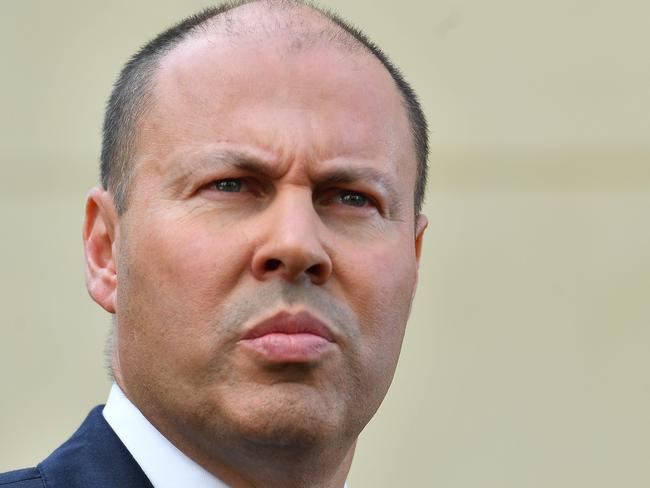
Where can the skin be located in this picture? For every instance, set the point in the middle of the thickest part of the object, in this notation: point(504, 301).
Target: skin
point(316, 146)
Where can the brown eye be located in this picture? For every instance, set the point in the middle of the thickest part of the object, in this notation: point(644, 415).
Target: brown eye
point(353, 199)
point(229, 185)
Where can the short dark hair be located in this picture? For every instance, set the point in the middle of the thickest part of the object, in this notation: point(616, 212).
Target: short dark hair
point(131, 98)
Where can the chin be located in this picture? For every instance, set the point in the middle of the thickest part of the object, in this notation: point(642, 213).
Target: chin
point(285, 416)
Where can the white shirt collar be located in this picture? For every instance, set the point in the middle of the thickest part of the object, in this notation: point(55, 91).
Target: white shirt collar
point(161, 461)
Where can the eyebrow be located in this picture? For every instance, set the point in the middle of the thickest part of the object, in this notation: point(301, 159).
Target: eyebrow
point(189, 163)
point(245, 161)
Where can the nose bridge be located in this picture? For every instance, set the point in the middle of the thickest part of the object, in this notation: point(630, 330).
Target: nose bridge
point(292, 245)
point(293, 215)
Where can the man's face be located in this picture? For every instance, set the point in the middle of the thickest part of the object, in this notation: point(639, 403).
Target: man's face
point(267, 259)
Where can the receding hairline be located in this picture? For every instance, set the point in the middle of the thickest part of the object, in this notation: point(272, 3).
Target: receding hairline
point(290, 39)
point(249, 22)
point(268, 18)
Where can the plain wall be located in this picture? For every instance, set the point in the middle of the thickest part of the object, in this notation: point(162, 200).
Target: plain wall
point(526, 359)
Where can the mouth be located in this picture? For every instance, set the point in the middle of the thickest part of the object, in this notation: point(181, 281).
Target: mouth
point(290, 338)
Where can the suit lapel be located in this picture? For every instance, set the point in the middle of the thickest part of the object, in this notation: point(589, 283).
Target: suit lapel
point(93, 456)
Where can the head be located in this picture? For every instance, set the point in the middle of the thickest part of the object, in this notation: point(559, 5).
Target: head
point(258, 235)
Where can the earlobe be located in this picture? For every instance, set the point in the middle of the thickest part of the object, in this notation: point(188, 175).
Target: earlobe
point(100, 232)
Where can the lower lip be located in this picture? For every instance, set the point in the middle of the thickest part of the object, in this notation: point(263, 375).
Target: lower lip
point(289, 348)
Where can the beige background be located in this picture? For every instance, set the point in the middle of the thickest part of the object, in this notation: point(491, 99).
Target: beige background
point(526, 361)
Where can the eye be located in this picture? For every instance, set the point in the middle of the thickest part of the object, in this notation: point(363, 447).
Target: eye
point(233, 189)
point(231, 185)
point(353, 199)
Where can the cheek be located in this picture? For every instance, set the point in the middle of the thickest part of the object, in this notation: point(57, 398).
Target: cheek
point(173, 283)
point(189, 265)
point(379, 286)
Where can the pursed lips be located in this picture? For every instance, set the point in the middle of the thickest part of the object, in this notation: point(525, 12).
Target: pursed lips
point(290, 338)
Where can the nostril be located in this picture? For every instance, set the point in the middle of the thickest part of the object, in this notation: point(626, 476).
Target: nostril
point(272, 264)
point(314, 270)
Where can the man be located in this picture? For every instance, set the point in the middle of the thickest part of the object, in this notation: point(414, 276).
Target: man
point(257, 238)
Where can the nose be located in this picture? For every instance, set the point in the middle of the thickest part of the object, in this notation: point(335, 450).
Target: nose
point(291, 246)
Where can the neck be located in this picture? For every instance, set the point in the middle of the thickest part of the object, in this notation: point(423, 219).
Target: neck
point(253, 466)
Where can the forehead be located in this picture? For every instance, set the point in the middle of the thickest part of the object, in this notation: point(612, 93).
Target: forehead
point(298, 92)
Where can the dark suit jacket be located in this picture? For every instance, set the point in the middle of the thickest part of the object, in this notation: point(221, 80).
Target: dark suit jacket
point(94, 457)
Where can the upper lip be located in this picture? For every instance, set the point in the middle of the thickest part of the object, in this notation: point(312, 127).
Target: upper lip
point(288, 323)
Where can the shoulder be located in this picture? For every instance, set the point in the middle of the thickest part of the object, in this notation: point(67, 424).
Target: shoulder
point(93, 456)
point(22, 478)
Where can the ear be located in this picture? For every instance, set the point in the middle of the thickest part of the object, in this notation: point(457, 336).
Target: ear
point(421, 223)
point(100, 232)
